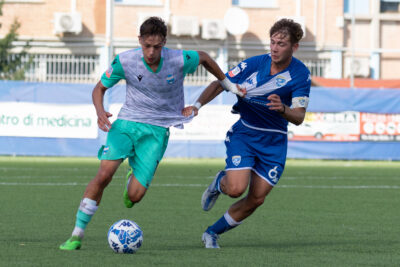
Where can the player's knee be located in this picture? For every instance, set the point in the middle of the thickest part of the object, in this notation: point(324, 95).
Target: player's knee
point(234, 191)
point(256, 202)
point(135, 197)
point(259, 201)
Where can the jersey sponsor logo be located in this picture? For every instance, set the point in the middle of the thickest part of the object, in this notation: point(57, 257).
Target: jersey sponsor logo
point(235, 71)
point(109, 72)
point(250, 82)
point(236, 160)
point(257, 89)
point(140, 76)
point(170, 79)
point(273, 174)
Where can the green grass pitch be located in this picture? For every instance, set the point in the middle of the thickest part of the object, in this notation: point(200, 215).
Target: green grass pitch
point(322, 213)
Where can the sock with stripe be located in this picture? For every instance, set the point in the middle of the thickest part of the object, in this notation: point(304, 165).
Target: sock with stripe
point(86, 210)
point(225, 223)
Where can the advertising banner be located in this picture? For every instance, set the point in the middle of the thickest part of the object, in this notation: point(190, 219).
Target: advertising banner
point(24, 119)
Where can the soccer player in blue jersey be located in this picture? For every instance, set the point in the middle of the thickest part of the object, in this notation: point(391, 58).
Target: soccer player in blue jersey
point(154, 102)
point(278, 87)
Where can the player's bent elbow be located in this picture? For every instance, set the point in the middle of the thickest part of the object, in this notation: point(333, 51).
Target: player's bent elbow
point(297, 123)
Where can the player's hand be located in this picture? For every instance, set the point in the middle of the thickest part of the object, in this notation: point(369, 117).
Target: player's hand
point(234, 88)
point(276, 103)
point(102, 120)
point(190, 110)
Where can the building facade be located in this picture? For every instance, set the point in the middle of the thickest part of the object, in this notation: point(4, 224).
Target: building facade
point(74, 40)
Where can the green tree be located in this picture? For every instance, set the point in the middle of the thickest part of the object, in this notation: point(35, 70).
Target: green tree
point(11, 66)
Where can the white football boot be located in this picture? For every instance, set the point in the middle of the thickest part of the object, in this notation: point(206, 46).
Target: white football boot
point(210, 240)
point(210, 195)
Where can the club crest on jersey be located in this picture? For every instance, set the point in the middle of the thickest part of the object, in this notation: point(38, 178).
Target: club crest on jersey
point(235, 71)
point(109, 72)
point(236, 160)
point(170, 79)
point(280, 81)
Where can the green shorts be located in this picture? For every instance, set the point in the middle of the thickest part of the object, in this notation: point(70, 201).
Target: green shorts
point(143, 144)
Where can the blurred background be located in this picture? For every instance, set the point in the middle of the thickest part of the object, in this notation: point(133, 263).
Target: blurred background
point(53, 52)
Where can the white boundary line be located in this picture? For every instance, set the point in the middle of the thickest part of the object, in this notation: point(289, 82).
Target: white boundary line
point(205, 185)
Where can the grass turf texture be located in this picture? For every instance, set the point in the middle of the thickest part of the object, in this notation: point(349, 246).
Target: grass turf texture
point(322, 213)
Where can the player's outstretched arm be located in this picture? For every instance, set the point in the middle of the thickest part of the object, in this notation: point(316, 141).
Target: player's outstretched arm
point(206, 96)
point(212, 67)
point(102, 115)
point(293, 115)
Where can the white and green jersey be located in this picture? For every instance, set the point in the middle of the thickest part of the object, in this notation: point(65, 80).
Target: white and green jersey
point(152, 97)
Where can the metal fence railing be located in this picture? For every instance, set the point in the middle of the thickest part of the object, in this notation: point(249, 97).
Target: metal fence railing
point(62, 68)
point(85, 69)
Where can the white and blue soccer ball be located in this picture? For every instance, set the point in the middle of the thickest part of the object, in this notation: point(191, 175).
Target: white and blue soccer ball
point(125, 236)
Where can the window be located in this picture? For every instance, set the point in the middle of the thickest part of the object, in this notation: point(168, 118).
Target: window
point(255, 3)
point(139, 2)
point(24, 1)
point(388, 6)
point(361, 7)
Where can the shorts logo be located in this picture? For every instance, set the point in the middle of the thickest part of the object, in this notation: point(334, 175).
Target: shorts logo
point(109, 72)
point(273, 174)
point(236, 160)
point(235, 71)
point(170, 79)
point(105, 150)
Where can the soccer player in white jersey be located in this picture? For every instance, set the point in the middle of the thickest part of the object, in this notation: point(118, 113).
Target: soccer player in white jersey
point(154, 102)
point(278, 87)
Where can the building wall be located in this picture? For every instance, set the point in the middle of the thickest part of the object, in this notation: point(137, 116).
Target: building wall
point(328, 28)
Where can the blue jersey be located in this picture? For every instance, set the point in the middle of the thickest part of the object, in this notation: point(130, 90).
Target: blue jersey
point(292, 85)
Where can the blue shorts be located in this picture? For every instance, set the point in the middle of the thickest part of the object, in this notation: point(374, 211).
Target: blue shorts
point(263, 152)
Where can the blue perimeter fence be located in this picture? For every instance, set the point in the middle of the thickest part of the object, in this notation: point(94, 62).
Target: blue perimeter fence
point(382, 101)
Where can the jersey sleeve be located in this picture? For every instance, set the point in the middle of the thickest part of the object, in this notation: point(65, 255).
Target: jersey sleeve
point(241, 72)
point(300, 93)
point(303, 85)
point(191, 60)
point(113, 74)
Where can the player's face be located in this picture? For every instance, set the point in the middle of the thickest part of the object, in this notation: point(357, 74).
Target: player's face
point(281, 48)
point(152, 46)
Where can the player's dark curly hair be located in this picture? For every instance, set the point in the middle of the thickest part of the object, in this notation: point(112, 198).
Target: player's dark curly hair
point(153, 26)
point(287, 26)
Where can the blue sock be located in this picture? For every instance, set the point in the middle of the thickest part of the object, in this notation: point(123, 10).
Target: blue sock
point(225, 223)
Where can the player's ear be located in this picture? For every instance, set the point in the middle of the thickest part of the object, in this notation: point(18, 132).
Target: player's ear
point(295, 47)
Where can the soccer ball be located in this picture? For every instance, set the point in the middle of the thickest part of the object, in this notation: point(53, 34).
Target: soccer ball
point(125, 236)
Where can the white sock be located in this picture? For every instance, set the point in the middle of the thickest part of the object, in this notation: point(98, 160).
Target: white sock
point(230, 220)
